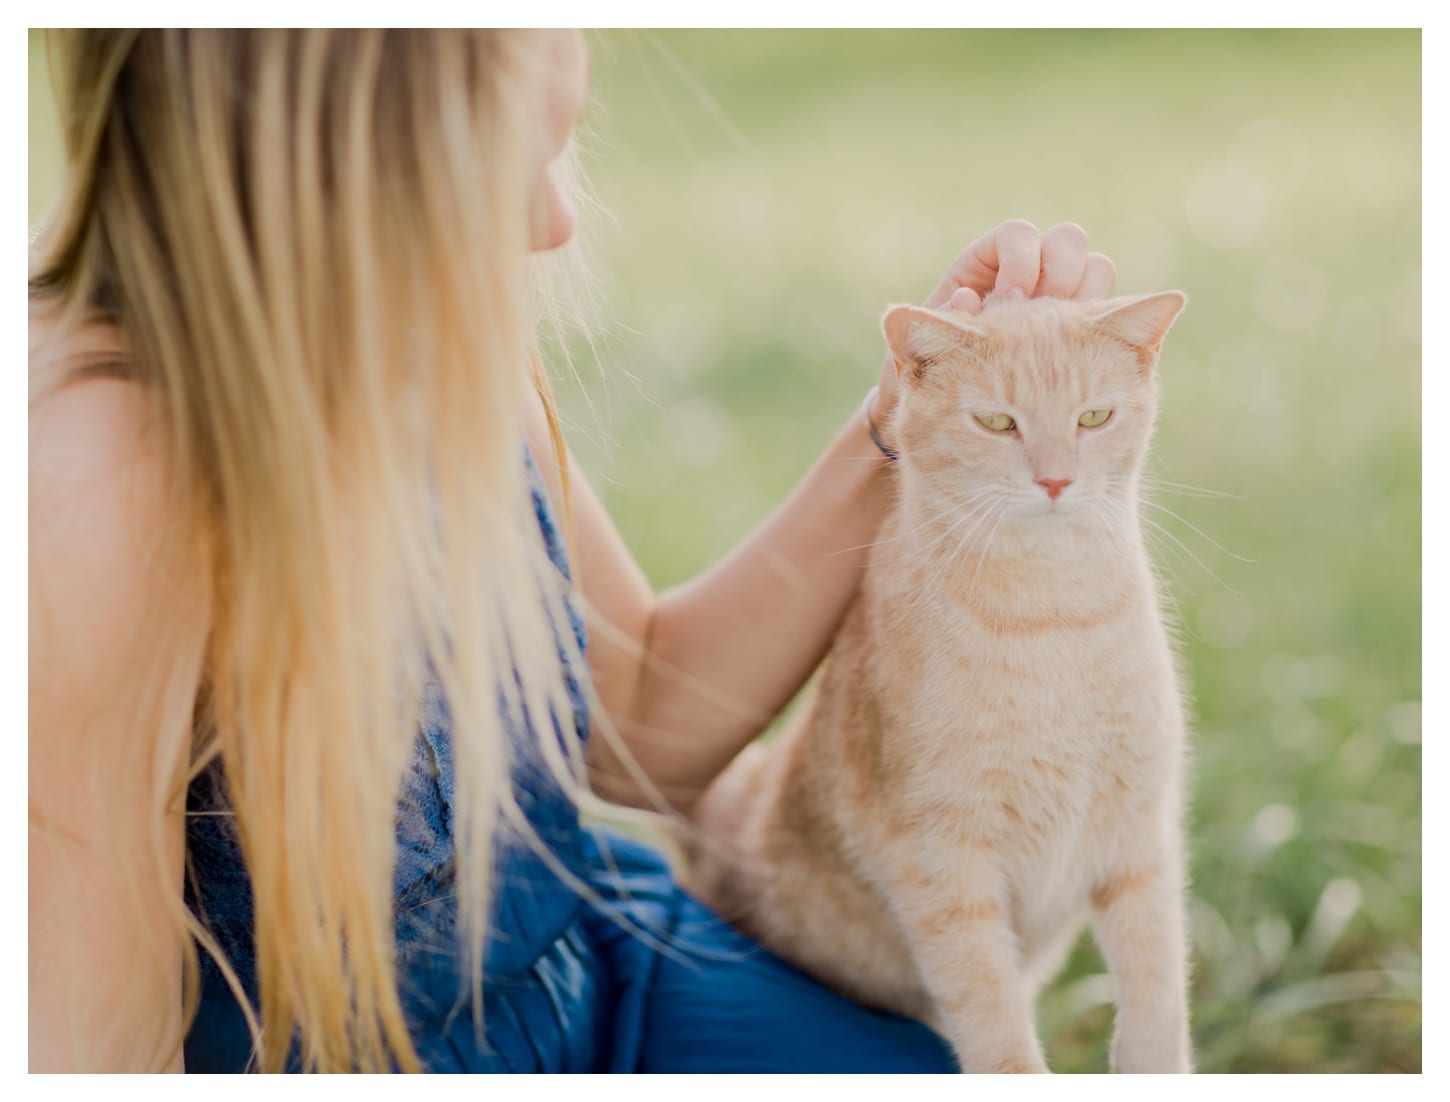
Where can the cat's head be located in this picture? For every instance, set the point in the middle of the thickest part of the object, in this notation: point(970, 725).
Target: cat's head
point(1040, 408)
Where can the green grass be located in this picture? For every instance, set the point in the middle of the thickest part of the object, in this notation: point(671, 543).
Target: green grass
point(770, 193)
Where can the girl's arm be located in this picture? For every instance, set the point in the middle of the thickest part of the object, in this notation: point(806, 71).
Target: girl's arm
point(694, 674)
point(690, 676)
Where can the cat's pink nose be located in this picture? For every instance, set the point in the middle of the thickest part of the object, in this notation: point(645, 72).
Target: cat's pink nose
point(1054, 486)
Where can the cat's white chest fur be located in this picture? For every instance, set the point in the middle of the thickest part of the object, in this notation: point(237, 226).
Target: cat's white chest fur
point(1040, 744)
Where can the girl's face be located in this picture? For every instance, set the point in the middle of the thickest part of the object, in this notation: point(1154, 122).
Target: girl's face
point(551, 218)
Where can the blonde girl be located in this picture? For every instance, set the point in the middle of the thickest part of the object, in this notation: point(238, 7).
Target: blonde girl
point(311, 709)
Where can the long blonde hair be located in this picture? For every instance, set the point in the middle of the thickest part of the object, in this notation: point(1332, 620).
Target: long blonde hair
point(313, 246)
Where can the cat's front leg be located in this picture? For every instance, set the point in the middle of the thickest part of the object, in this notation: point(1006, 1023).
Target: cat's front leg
point(956, 921)
point(1138, 919)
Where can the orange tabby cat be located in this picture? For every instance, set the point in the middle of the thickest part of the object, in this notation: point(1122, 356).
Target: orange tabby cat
point(997, 747)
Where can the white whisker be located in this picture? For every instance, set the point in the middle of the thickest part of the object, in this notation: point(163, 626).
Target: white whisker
point(948, 512)
point(1199, 531)
point(1187, 550)
point(1183, 489)
point(986, 548)
point(1166, 591)
point(982, 518)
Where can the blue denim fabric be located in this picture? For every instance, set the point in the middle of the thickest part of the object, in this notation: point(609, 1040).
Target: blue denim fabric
point(642, 978)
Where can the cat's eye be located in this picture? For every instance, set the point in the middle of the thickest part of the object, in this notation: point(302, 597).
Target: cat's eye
point(997, 422)
point(1094, 417)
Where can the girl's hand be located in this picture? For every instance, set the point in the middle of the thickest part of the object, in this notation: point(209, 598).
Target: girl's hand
point(1013, 257)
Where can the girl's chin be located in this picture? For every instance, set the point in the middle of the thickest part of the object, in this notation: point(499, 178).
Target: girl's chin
point(551, 222)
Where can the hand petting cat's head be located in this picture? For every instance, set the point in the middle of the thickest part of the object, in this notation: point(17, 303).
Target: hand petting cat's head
point(1042, 406)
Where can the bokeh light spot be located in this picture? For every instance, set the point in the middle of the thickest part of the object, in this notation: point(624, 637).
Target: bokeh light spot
point(1224, 620)
point(1273, 936)
point(1290, 293)
point(696, 431)
point(1405, 722)
point(1295, 728)
point(1337, 905)
point(687, 338)
point(1275, 148)
point(1359, 328)
point(1147, 249)
point(1285, 678)
point(1360, 753)
point(1407, 308)
point(1275, 824)
point(1227, 205)
point(1341, 897)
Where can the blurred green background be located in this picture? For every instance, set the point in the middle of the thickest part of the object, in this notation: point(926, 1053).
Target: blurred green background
point(766, 194)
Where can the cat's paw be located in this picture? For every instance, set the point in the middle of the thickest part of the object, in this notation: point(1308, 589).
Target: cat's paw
point(1151, 1055)
point(1020, 1066)
point(1001, 1057)
point(1004, 1060)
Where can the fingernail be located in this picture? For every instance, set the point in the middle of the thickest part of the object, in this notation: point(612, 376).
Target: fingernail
point(1016, 292)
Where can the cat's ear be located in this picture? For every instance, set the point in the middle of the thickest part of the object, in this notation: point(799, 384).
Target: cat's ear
point(920, 338)
point(1141, 323)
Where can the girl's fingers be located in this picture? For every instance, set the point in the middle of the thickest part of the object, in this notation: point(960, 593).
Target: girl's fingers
point(1019, 256)
point(1098, 278)
point(1014, 257)
point(964, 300)
point(1010, 256)
point(1064, 258)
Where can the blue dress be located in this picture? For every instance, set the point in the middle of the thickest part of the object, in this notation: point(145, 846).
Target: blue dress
point(645, 978)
